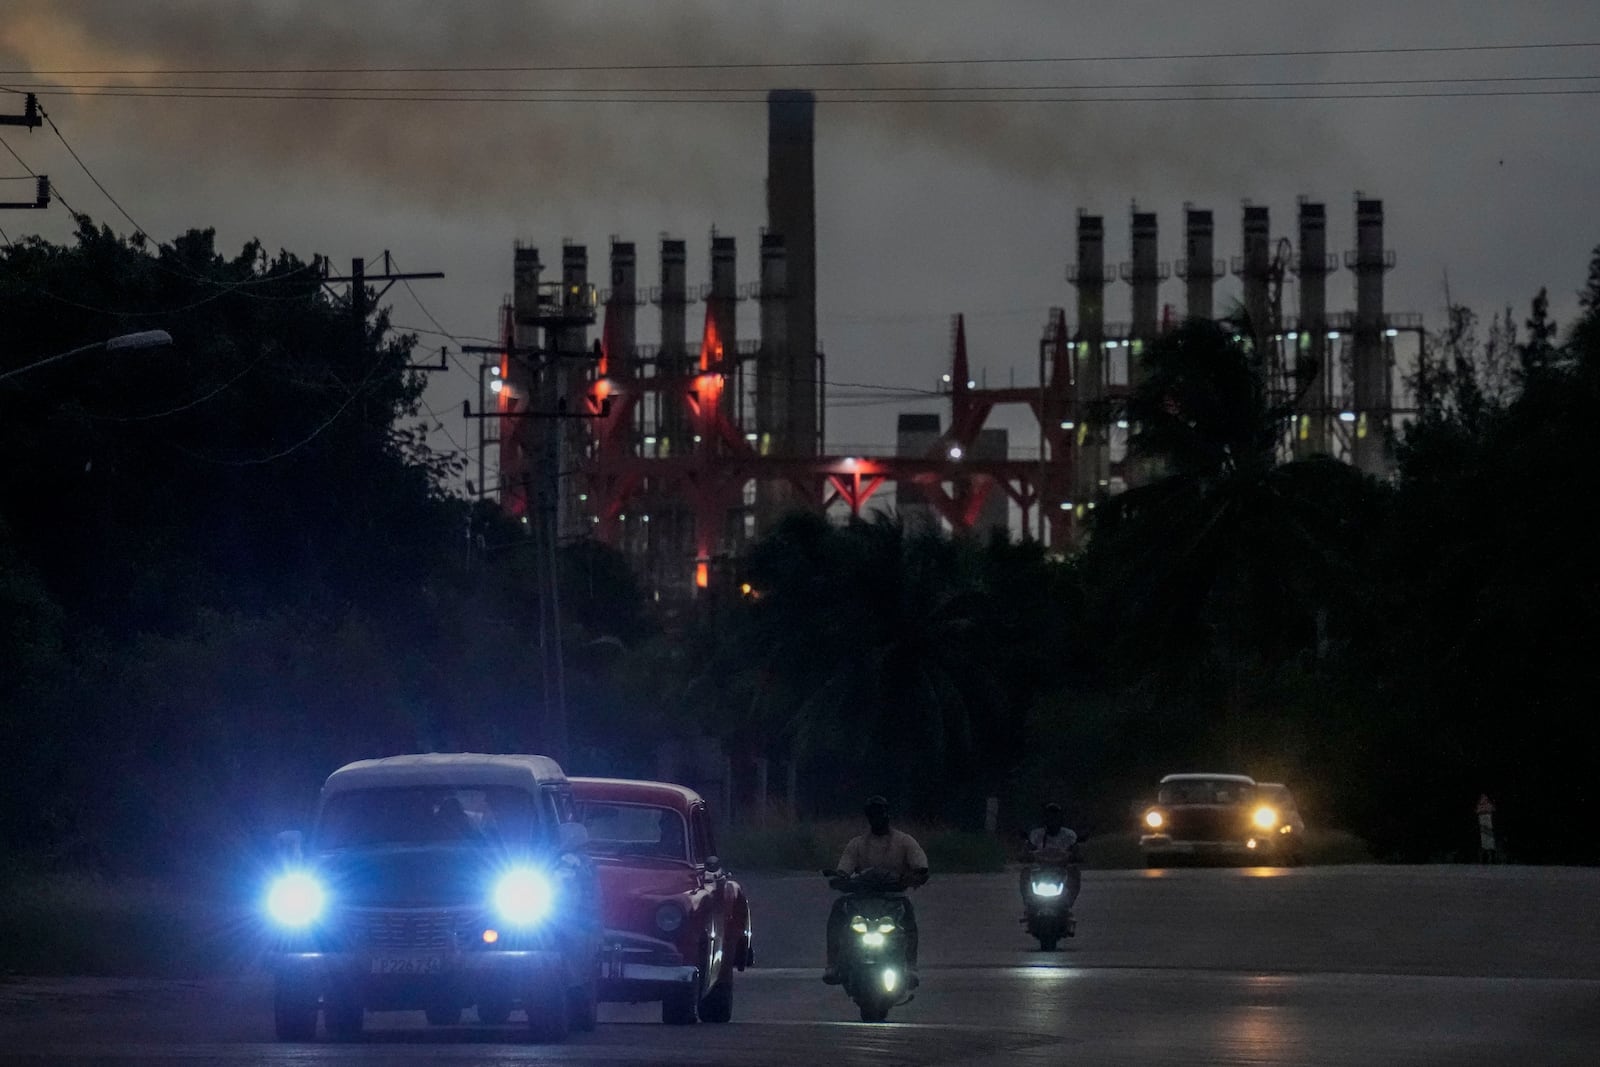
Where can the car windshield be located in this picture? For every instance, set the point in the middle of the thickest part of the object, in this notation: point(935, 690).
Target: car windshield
point(634, 830)
point(427, 815)
point(1205, 791)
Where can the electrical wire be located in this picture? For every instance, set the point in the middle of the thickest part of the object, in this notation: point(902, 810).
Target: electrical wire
point(713, 89)
point(850, 64)
point(370, 97)
point(196, 402)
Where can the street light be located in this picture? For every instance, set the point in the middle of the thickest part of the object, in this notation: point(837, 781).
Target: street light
point(121, 343)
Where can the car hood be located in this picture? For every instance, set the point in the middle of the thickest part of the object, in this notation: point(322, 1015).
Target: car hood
point(621, 879)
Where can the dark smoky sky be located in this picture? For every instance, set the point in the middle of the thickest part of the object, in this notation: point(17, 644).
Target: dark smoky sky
point(923, 209)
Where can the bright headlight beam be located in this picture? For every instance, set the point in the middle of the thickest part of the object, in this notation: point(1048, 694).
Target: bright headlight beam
point(523, 897)
point(872, 940)
point(890, 980)
point(1153, 820)
point(295, 900)
point(1265, 818)
point(1047, 889)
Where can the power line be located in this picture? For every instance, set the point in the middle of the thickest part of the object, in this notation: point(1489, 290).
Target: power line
point(851, 64)
point(113, 89)
point(368, 97)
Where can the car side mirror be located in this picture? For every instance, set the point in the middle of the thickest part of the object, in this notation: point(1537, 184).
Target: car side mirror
point(714, 864)
point(573, 837)
point(290, 845)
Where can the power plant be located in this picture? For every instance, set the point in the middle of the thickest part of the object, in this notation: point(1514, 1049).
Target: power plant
point(679, 454)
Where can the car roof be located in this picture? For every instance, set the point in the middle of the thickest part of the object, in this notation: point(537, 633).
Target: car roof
point(1273, 786)
point(446, 768)
point(1242, 779)
point(632, 791)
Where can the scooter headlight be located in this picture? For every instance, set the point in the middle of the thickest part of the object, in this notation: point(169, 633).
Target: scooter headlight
point(858, 924)
point(872, 939)
point(296, 900)
point(523, 896)
point(1047, 889)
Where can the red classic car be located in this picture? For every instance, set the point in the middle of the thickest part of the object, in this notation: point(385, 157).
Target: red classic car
point(677, 926)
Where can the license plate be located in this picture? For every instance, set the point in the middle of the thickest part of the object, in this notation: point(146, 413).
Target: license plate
point(407, 965)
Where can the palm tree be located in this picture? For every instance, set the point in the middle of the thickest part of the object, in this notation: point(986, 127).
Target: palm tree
point(1228, 552)
point(869, 650)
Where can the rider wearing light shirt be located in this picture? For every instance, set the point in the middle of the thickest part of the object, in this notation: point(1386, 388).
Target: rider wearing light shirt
point(882, 848)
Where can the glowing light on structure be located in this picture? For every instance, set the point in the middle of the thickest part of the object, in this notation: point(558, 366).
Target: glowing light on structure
point(702, 575)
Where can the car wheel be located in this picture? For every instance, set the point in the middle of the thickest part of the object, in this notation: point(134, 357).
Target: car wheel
point(678, 1007)
point(294, 1012)
point(583, 1005)
point(494, 1013)
point(441, 1015)
point(344, 1017)
point(717, 1005)
point(549, 1019)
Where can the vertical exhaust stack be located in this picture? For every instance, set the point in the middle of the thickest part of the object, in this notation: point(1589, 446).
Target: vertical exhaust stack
point(1254, 268)
point(1370, 379)
point(1093, 468)
point(1145, 274)
point(1198, 268)
point(518, 451)
point(673, 360)
point(571, 376)
point(724, 301)
point(622, 310)
point(773, 386)
point(791, 213)
point(1313, 378)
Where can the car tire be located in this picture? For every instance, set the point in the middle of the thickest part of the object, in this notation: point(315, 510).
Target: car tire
point(494, 1012)
point(583, 1006)
point(679, 1006)
point(344, 1018)
point(294, 1012)
point(549, 1017)
point(441, 1015)
point(717, 1005)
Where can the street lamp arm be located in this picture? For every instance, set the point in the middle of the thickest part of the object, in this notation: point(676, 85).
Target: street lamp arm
point(123, 342)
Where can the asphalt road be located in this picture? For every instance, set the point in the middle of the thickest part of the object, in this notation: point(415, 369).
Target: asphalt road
point(1347, 965)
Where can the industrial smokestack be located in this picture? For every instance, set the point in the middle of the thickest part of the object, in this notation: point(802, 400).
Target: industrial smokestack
point(1313, 375)
point(1089, 275)
point(1198, 267)
point(1370, 367)
point(724, 301)
point(791, 213)
point(622, 309)
point(1144, 273)
point(1254, 269)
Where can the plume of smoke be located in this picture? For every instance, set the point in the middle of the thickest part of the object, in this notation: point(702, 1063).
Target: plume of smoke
point(452, 157)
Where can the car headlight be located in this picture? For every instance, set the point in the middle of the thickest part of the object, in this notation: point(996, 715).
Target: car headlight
point(523, 896)
point(1047, 889)
point(295, 900)
point(1265, 817)
point(668, 918)
point(1154, 820)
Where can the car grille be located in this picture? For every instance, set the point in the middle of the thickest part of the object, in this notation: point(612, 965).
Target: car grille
point(406, 930)
point(1205, 824)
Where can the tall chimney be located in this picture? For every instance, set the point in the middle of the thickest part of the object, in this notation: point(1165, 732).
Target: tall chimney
point(791, 213)
point(724, 301)
point(1254, 269)
point(1370, 366)
point(1313, 375)
point(1093, 467)
point(1144, 274)
point(1198, 268)
point(622, 309)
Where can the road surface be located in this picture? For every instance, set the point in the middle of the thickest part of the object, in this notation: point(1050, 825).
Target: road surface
point(1340, 965)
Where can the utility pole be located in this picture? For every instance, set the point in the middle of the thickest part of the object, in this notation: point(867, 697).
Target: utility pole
point(29, 119)
point(358, 279)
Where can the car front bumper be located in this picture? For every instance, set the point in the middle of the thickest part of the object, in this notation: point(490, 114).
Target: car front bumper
point(637, 968)
point(382, 983)
point(1160, 845)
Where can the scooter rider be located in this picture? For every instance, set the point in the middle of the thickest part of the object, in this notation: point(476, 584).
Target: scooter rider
point(1054, 837)
point(882, 848)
